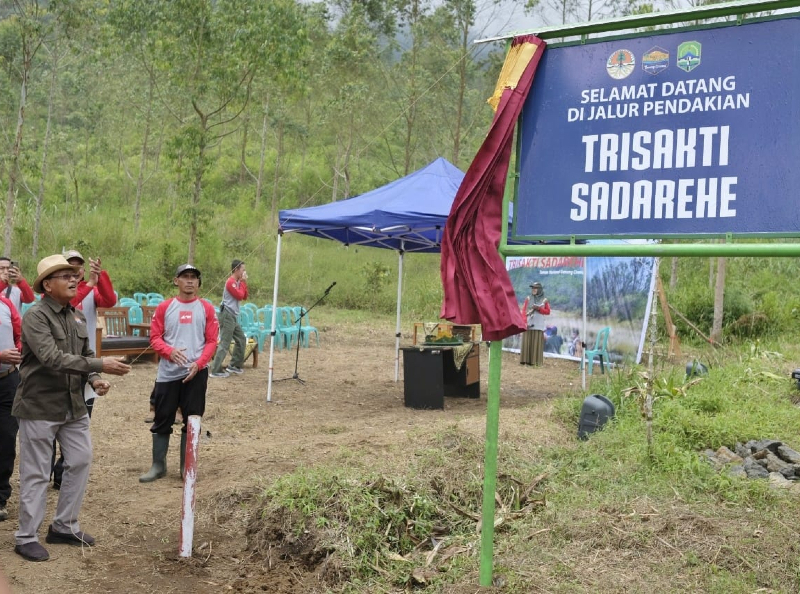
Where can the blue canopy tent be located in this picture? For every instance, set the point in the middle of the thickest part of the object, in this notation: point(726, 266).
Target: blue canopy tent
point(407, 215)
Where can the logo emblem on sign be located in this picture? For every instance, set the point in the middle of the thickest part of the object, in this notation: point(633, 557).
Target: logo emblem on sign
point(185, 317)
point(620, 64)
point(689, 55)
point(655, 61)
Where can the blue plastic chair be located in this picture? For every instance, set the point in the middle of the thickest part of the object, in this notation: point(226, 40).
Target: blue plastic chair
point(285, 328)
point(140, 298)
point(251, 328)
point(26, 307)
point(154, 298)
point(135, 316)
point(306, 330)
point(264, 321)
point(129, 302)
point(600, 350)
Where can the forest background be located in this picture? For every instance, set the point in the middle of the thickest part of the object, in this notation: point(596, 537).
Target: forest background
point(154, 133)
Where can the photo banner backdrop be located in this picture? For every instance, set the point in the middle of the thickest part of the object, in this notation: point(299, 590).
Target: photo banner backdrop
point(618, 295)
point(694, 132)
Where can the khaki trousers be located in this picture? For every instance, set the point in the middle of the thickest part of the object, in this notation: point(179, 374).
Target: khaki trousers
point(35, 452)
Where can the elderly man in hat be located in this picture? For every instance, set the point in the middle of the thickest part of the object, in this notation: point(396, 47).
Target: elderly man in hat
point(49, 404)
point(184, 334)
point(532, 352)
point(235, 291)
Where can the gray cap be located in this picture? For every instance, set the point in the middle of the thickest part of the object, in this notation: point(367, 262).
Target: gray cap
point(186, 268)
point(74, 254)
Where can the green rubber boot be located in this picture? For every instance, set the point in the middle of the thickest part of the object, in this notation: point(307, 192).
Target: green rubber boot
point(183, 452)
point(159, 468)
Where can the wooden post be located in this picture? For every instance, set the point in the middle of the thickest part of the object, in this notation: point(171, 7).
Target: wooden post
point(674, 341)
point(189, 481)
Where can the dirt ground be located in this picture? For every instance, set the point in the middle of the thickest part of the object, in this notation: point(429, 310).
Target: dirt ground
point(349, 400)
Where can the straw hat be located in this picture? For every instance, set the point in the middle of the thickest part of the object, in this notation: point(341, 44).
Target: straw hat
point(48, 266)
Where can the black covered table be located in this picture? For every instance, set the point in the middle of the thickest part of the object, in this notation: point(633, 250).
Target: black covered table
point(430, 374)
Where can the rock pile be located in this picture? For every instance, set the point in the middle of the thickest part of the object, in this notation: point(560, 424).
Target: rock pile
point(757, 459)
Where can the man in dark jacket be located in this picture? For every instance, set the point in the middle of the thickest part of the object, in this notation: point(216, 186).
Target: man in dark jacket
point(49, 404)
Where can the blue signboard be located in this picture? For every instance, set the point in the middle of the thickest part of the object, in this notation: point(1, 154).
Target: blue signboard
point(695, 132)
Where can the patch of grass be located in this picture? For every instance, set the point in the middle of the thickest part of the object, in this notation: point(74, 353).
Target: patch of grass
point(606, 514)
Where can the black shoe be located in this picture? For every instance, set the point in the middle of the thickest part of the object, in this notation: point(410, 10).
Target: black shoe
point(78, 538)
point(32, 551)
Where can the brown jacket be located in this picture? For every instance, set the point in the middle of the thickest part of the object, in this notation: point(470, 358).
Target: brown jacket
point(56, 360)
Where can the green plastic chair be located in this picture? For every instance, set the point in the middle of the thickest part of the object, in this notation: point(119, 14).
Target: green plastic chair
point(306, 330)
point(285, 328)
point(134, 316)
point(600, 350)
point(128, 302)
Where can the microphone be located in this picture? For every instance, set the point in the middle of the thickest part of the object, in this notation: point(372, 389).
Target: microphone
point(328, 290)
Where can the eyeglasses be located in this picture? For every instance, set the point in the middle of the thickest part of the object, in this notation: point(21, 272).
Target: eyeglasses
point(68, 277)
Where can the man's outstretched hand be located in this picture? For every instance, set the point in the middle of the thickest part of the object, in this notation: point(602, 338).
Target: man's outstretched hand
point(115, 366)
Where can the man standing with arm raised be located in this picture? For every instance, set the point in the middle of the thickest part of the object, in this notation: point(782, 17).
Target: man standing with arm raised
point(49, 404)
point(13, 285)
point(184, 334)
point(96, 292)
point(235, 291)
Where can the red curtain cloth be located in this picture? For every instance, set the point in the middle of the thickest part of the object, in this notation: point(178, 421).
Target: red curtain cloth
point(477, 288)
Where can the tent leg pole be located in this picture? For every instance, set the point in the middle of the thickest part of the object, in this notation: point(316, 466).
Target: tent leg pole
point(397, 326)
point(274, 312)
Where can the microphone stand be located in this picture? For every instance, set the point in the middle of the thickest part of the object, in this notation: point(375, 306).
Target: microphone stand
point(303, 313)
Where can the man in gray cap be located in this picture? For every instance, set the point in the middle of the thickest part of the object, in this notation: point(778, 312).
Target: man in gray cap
point(49, 404)
point(235, 291)
point(184, 334)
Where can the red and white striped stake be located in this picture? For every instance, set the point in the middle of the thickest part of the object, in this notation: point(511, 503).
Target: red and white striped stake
point(189, 481)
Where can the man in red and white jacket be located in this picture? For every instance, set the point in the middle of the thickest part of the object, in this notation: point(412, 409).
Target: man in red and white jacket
point(96, 292)
point(10, 358)
point(184, 333)
point(235, 291)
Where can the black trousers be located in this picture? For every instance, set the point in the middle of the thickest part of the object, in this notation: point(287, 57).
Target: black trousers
point(8, 434)
point(190, 397)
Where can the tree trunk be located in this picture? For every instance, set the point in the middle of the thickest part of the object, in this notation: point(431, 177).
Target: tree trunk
point(462, 89)
point(277, 176)
point(143, 155)
point(13, 170)
point(242, 166)
point(197, 190)
point(673, 275)
point(710, 272)
point(262, 155)
point(719, 305)
point(43, 175)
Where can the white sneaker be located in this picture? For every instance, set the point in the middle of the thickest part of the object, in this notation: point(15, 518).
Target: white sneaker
point(220, 374)
point(236, 370)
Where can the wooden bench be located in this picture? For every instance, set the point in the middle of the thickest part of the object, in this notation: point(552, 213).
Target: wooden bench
point(116, 338)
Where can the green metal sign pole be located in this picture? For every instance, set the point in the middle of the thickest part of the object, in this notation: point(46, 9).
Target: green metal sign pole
point(490, 461)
